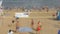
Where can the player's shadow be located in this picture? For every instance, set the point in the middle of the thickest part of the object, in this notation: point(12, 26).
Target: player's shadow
point(31, 33)
point(57, 26)
point(55, 19)
point(34, 29)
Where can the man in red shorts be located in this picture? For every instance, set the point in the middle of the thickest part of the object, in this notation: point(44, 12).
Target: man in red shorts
point(39, 28)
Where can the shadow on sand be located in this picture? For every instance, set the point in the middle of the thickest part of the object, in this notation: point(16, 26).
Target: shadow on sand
point(34, 29)
point(57, 26)
point(55, 19)
point(31, 33)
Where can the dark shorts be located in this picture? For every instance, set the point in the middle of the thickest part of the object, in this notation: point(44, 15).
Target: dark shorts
point(17, 27)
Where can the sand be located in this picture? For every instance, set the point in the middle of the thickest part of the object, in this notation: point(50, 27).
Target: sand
point(49, 25)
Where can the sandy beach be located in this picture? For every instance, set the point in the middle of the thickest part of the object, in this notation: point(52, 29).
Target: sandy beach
point(49, 24)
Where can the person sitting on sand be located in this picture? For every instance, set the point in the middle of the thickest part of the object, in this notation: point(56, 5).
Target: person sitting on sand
point(11, 24)
point(10, 32)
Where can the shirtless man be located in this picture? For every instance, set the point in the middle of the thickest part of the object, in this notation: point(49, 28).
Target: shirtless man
point(38, 27)
point(17, 25)
point(32, 23)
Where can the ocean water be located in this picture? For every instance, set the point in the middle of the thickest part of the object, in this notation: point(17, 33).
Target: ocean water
point(31, 3)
